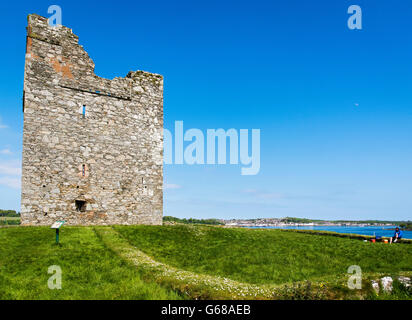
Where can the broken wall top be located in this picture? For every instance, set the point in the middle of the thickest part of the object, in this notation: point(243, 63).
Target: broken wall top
point(54, 56)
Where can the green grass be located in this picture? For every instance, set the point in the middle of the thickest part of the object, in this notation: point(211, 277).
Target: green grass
point(89, 269)
point(264, 256)
point(192, 261)
point(9, 221)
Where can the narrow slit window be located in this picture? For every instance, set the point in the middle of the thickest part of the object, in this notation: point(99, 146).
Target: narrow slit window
point(84, 170)
point(84, 111)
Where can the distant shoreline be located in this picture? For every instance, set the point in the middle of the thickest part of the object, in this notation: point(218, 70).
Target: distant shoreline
point(251, 224)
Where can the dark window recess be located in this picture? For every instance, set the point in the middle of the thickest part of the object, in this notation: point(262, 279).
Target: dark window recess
point(84, 170)
point(80, 205)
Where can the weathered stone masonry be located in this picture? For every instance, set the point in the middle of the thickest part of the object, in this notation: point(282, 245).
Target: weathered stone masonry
point(92, 147)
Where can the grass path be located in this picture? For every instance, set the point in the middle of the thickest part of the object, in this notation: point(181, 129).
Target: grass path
point(263, 256)
point(188, 262)
point(216, 263)
point(198, 286)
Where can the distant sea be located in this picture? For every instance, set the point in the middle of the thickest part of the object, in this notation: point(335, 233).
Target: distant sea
point(386, 231)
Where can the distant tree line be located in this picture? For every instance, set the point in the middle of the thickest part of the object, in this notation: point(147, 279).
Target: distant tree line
point(192, 221)
point(406, 225)
point(299, 220)
point(9, 213)
point(9, 222)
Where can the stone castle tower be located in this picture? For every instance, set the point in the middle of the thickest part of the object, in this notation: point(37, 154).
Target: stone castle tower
point(92, 147)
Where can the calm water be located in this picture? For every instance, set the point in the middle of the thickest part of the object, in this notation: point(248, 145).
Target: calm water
point(368, 231)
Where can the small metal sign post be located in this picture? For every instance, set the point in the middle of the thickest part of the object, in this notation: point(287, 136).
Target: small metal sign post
point(57, 225)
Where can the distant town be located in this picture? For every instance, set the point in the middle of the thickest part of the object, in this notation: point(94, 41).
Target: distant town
point(288, 221)
point(11, 217)
point(283, 222)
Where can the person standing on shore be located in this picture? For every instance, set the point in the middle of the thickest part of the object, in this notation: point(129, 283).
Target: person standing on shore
point(397, 236)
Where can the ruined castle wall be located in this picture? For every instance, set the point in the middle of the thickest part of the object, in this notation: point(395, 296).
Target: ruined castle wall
point(92, 147)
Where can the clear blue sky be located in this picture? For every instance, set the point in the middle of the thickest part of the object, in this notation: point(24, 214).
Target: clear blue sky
point(334, 105)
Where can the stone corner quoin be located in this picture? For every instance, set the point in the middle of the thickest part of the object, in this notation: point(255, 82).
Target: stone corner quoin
point(92, 147)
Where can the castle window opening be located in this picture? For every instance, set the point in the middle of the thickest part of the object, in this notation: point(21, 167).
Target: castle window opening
point(84, 170)
point(80, 205)
point(84, 111)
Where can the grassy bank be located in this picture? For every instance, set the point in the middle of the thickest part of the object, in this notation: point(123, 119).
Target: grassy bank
point(89, 269)
point(264, 256)
point(191, 261)
point(344, 235)
point(9, 221)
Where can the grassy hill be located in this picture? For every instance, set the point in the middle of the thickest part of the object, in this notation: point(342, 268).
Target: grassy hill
point(191, 261)
point(89, 269)
point(263, 256)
